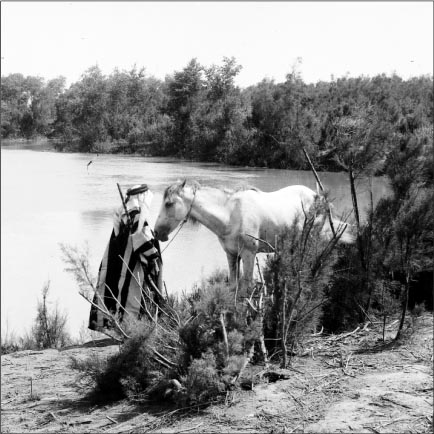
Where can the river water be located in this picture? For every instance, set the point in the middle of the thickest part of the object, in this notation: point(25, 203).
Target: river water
point(48, 198)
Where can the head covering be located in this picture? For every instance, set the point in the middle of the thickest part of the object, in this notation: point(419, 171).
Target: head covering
point(136, 194)
point(137, 189)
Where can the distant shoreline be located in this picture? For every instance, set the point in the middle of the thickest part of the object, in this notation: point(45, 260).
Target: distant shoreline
point(56, 145)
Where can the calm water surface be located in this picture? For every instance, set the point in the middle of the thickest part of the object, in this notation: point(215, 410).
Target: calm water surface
point(49, 198)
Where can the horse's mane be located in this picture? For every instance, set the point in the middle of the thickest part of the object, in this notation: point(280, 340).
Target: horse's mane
point(176, 188)
point(231, 191)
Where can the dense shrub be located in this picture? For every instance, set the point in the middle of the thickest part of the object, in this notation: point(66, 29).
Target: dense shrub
point(132, 372)
point(193, 365)
point(346, 292)
point(297, 277)
point(212, 307)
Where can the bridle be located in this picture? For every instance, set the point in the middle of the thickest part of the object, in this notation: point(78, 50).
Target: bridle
point(181, 224)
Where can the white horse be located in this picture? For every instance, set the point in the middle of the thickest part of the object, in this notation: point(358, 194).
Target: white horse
point(246, 222)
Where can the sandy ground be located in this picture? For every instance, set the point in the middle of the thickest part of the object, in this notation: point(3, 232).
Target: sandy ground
point(342, 383)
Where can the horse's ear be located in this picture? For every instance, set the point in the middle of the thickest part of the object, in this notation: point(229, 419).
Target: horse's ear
point(183, 183)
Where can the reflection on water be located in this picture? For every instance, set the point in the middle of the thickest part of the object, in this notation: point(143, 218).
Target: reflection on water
point(49, 198)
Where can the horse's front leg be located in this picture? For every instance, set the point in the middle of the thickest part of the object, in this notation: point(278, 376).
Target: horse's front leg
point(234, 268)
point(248, 258)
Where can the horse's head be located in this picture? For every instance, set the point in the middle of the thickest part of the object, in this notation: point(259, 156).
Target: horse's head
point(175, 208)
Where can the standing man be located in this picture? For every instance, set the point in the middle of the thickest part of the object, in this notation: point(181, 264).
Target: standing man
point(130, 274)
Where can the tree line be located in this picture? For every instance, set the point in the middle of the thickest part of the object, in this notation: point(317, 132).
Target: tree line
point(199, 113)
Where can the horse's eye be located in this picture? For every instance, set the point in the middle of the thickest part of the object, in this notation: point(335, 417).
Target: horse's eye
point(168, 204)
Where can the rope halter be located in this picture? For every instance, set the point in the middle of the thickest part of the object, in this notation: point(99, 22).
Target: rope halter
point(187, 216)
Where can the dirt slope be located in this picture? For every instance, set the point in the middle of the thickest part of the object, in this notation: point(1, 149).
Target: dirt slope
point(344, 383)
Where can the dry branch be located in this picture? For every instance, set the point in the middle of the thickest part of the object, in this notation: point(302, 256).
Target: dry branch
point(262, 241)
point(158, 357)
point(191, 428)
point(225, 335)
point(104, 312)
point(111, 419)
point(150, 298)
point(337, 338)
point(322, 189)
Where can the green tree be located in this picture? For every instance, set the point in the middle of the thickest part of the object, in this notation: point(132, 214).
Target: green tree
point(266, 120)
point(184, 89)
point(403, 228)
point(43, 106)
point(15, 106)
point(219, 130)
point(82, 111)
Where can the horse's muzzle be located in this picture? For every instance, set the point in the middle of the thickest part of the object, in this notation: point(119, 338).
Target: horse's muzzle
point(161, 236)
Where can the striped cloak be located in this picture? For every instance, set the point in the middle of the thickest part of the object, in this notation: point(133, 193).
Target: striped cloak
point(130, 260)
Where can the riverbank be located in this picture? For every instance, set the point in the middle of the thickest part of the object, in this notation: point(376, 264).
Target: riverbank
point(40, 144)
point(122, 148)
point(44, 144)
point(341, 383)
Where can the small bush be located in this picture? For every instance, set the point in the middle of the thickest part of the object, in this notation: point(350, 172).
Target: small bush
point(49, 330)
point(12, 343)
point(129, 373)
point(203, 382)
point(135, 372)
point(8, 347)
point(9, 342)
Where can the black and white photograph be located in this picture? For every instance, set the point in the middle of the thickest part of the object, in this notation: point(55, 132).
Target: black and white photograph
point(217, 216)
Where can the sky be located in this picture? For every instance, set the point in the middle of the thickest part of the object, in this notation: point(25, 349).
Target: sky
point(50, 39)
